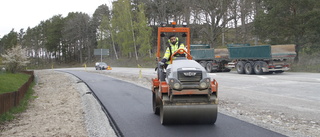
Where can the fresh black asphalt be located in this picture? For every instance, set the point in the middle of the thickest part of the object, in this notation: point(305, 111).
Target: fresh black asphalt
point(130, 107)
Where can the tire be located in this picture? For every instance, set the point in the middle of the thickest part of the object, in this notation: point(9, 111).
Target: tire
point(155, 104)
point(240, 67)
point(257, 68)
point(248, 68)
point(209, 67)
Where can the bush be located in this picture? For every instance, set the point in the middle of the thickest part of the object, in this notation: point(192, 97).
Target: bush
point(15, 59)
point(307, 63)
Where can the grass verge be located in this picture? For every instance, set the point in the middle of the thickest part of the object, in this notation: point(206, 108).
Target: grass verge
point(12, 82)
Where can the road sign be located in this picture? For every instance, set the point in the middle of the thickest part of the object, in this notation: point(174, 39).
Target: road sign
point(101, 52)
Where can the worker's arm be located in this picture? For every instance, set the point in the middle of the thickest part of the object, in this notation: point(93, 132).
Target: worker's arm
point(167, 54)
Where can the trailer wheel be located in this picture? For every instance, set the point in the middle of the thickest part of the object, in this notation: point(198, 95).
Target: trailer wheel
point(209, 67)
point(248, 68)
point(240, 67)
point(258, 68)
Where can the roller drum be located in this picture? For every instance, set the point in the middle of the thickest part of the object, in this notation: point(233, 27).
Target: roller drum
point(188, 113)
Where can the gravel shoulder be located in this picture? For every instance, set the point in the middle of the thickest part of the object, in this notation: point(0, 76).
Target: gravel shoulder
point(65, 107)
point(56, 110)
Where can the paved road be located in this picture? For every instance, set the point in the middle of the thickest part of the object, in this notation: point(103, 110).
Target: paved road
point(130, 107)
point(289, 92)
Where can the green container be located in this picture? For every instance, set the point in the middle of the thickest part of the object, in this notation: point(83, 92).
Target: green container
point(202, 54)
point(237, 45)
point(250, 52)
point(199, 46)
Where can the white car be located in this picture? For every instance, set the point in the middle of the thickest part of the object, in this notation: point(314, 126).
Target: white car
point(101, 66)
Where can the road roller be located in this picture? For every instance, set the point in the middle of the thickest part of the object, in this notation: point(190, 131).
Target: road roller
point(183, 92)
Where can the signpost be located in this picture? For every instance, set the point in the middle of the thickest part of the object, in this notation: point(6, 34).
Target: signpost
point(101, 52)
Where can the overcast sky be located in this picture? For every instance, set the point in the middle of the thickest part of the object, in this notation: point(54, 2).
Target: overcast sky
point(17, 14)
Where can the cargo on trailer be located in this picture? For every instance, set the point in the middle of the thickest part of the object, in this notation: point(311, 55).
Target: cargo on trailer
point(213, 60)
point(262, 59)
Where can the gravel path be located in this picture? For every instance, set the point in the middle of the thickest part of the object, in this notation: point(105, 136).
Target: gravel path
point(65, 107)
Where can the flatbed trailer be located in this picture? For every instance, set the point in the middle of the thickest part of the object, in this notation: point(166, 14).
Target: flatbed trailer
point(261, 59)
point(213, 60)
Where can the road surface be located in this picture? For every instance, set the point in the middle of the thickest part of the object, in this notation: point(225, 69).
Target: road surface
point(130, 107)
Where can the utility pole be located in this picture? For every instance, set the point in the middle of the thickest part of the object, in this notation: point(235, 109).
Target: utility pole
point(101, 55)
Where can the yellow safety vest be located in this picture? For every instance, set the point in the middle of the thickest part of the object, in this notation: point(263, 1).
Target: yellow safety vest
point(174, 48)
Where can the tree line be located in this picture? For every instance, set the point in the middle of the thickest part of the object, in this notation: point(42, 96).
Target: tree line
point(129, 27)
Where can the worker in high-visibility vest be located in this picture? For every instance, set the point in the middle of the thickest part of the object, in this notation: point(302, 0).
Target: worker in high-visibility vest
point(173, 46)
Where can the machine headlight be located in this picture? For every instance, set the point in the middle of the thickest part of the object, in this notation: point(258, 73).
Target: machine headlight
point(203, 85)
point(176, 85)
point(184, 24)
point(163, 24)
